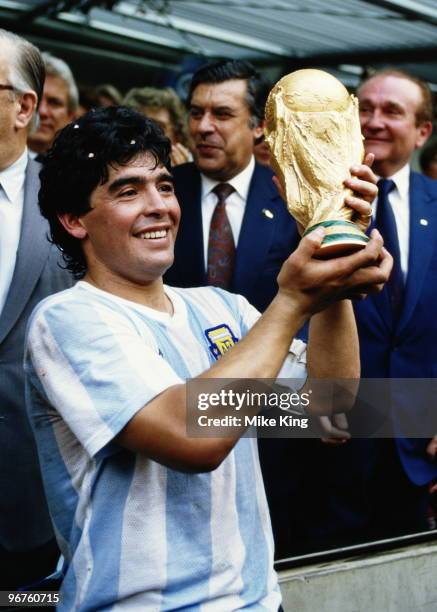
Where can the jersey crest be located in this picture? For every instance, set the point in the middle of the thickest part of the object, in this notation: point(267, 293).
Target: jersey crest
point(220, 339)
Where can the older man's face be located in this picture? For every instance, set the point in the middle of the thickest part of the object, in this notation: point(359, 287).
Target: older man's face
point(220, 127)
point(16, 109)
point(54, 114)
point(388, 108)
point(7, 114)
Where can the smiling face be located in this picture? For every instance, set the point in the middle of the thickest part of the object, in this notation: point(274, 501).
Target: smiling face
point(128, 235)
point(219, 125)
point(54, 113)
point(388, 108)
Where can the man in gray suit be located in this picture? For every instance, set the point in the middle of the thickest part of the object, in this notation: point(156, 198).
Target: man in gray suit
point(28, 272)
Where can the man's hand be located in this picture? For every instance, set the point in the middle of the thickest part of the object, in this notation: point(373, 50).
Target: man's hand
point(335, 429)
point(312, 284)
point(364, 191)
point(363, 186)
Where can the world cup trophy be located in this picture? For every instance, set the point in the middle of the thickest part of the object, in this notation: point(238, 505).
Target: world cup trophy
point(313, 132)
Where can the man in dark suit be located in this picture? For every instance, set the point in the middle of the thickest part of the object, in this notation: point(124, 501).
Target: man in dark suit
point(400, 341)
point(29, 271)
point(226, 110)
point(378, 488)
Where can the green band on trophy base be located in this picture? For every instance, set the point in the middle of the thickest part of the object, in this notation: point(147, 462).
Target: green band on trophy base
point(332, 223)
point(336, 237)
point(342, 238)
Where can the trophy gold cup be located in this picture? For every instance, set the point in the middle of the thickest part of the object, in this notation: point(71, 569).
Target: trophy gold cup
point(313, 132)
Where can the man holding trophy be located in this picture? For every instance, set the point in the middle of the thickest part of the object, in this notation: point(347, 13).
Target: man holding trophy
point(107, 365)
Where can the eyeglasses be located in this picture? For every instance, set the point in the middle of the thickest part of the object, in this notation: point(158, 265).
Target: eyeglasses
point(5, 87)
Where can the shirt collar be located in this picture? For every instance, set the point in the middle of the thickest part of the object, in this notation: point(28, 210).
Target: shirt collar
point(401, 179)
point(240, 182)
point(12, 179)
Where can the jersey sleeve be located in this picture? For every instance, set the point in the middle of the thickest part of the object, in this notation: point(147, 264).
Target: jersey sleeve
point(95, 369)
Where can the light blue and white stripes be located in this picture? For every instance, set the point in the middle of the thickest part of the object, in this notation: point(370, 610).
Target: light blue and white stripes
point(137, 535)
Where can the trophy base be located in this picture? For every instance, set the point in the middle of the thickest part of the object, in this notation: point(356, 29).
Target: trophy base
point(341, 238)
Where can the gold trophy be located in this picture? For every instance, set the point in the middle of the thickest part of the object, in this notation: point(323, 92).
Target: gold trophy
point(313, 132)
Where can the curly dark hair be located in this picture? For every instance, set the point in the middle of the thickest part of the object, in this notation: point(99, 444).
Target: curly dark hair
point(79, 161)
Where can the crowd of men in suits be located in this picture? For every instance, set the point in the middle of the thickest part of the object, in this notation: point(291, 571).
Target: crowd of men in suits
point(345, 489)
point(363, 489)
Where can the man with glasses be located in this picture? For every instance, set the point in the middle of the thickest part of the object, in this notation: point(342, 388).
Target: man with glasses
point(28, 272)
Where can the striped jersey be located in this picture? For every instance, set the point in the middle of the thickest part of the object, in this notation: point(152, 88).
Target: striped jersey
point(135, 534)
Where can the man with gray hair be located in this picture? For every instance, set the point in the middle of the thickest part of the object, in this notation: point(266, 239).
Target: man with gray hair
point(29, 272)
point(58, 104)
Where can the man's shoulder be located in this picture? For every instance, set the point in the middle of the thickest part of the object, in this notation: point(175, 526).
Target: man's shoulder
point(209, 296)
point(205, 292)
point(78, 312)
point(422, 182)
point(33, 168)
point(33, 165)
point(263, 171)
point(66, 298)
point(183, 171)
point(261, 184)
point(187, 184)
point(32, 214)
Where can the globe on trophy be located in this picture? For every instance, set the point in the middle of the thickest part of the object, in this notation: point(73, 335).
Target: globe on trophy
point(314, 135)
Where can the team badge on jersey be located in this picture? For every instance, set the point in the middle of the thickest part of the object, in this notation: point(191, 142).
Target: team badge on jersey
point(220, 339)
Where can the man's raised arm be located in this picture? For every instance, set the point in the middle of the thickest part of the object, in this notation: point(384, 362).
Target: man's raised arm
point(306, 286)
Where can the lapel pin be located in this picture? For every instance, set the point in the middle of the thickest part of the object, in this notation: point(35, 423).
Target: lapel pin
point(423, 222)
point(267, 213)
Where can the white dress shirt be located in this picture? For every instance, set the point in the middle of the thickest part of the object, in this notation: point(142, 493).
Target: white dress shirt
point(399, 199)
point(11, 212)
point(235, 203)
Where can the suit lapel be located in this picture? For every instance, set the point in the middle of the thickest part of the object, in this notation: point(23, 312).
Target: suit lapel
point(423, 229)
point(257, 231)
point(33, 250)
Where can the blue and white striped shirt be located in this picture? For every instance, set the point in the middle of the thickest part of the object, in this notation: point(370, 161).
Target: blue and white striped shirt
point(137, 535)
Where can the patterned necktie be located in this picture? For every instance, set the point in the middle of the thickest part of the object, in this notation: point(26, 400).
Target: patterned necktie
point(386, 224)
point(221, 246)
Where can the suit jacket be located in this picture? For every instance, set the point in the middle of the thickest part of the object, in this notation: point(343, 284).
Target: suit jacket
point(408, 349)
point(25, 522)
point(264, 243)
